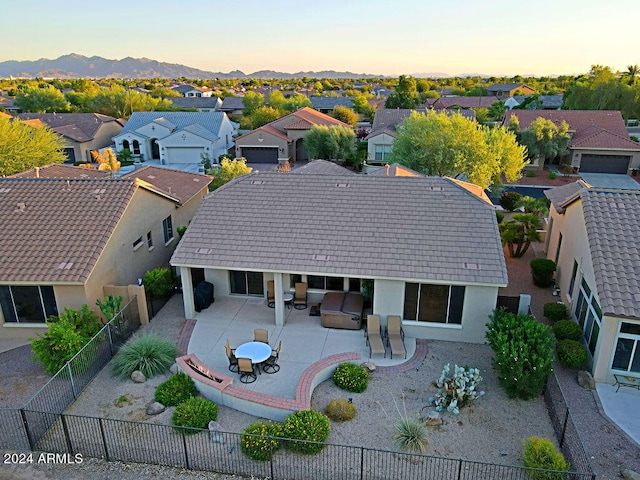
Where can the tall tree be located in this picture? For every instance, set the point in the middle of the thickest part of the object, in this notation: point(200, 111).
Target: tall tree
point(632, 74)
point(295, 102)
point(251, 102)
point(276, 99)
point(330, 143)
point(42, 100)
point(120, 102)
point(545, 140)
point(405, 94)
point(345, 114)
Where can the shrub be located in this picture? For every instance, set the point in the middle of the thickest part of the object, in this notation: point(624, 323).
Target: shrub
point(195, 412)
point(111, 306)
point(555, 311)
point(256, 441)
point(351, 377)
point(509, 200)
point(149, 353)
point(499, 216)
point(179, 388)
point(340, 410)
point(571, 353)
point(158, 282)
point(552, 175)
point(306, 426)
point(455, 391)
point(410, 435)
point(567, 330)
point(532, 173)
point(541, 453)
point(542, 270)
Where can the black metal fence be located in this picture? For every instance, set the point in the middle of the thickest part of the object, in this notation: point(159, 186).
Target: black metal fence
point(156, 302)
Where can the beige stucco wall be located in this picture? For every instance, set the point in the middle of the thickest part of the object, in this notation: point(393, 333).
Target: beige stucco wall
point(102, 139)
point(576, 156)
point(382, 139)
point(252, 139)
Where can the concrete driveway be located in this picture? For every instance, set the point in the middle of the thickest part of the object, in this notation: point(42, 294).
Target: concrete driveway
point(610, 180)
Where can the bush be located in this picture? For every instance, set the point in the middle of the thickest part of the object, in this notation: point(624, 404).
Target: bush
point(195, 412)
point(256, 442)
point(499, 216)
point(149, 353)
point(542, 270)
point(340, 410)
point(532, 173)
point(306, 426)
point(567, 330)
point(179, 388)
point(555, 311)
point(509, 200)
point(410, 435)
point(542, 453)
point(571, 353)
point(351, 377)
point(455, 391)
point(158, 282)
point(552, 175)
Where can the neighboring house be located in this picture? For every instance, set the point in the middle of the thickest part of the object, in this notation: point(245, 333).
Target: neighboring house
point(177, 137)
point(8, 104)
point(383, 131)
point(448, 103)
point(232, 105)
point(63, 240)
point(506, 90)
point(283, 139)
point(327, 104)
point(394, 170)
point(592, 237)
point(201, 104)
point(60, 170)
point(600, 142)
point(546, 102)
point(193, 91)
point(431, 247)
point(81, 132)
point(322, 167)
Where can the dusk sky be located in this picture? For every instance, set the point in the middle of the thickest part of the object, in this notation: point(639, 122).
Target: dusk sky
point(494, 37)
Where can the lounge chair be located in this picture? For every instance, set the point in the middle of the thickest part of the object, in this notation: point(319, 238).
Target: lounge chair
point(374, 338)
point(233, 361)
point(300, 298)
point(270, 365)
point(271, 294)
point(247, 370)
point(260, 335)
point(395, 336)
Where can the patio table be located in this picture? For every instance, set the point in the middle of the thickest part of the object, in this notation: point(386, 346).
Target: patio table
point(288, 298)
point(258, 352)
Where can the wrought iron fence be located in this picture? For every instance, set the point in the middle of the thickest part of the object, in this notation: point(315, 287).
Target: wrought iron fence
point(156, 302)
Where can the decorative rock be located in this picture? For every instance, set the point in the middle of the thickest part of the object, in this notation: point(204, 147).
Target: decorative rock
point(370, 366)
point(174, 369)
point(138, 377)
point(215, 432)
point(585, 380)
point(630, 474)
point(154, 408)
point(434, 420)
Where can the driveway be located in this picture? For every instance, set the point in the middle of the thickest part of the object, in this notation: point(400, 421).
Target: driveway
point(610, 180)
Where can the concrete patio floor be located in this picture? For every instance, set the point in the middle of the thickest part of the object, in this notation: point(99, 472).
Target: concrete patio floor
point(621, 407)
point(304, 341)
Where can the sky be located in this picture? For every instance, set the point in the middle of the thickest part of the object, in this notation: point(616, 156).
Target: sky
point(492, 37)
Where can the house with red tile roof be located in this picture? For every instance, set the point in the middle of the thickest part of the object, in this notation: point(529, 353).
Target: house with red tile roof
point(599, 141)
point(283, 139)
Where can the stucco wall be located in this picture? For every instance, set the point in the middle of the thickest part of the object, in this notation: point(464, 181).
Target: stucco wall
point(252, 139)
point(576, 156)
point(382, 139)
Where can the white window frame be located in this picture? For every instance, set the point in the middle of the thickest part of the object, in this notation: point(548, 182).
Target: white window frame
point(167, 228)
point(384, 152)
point(634, 351)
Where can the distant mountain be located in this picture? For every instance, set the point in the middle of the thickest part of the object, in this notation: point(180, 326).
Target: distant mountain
point(79, 66)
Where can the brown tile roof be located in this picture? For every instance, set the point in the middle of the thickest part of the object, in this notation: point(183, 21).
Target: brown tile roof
point(55, 170)
point(80, 127)
point(322, 167)
point(314, 117)
point(464, 102)
point(176, 183)
point(272, 131)
point(595, 137)
point(421, 228)
point(299, 125)
point(54, 230)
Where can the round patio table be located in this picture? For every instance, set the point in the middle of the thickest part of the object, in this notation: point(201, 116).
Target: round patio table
point(258, 352)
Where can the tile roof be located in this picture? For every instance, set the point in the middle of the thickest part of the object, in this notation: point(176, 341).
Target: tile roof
point(577, 120)
point(54, 230)
point(55, 170)
point(232, 103)
point(595, 137)
point(395, 170)
point(506, 86)
point(211, 121)
point(401, 227)
point(299, 125)
point(272, 131)
point(331, 102)
point(464, 102)
point(322, 167)
point(387, 119)
point(314, 117)
point(195, 102)
point(561, 196)
point(176, 183)
point(79, 127)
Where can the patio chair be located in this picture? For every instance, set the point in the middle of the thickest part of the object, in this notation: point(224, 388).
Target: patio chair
point(233, 361)
point(270, 365)
point(300, 299)
point(395, 336)
point(374, 337)
point(271, 294)
point(247, 370)
point(260, 335)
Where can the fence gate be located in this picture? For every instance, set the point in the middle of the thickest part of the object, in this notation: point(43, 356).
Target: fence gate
point(510, 303)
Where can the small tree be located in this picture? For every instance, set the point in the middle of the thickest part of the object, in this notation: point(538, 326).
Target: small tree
point(345, 114)
point(518, 233)
point(333, 142)
point(227, 171)
point(110, 306)
point(545, 140)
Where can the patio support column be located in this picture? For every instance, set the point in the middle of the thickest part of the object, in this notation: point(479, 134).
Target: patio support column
point(278, 292)
point(187, 292)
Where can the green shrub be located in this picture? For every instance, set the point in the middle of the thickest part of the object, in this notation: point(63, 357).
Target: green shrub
point(111, 306)
point(149, 353)
point(542, 453)
point(158, 282)
point(304, 427)
point(523, 352)
point(552, 175)
point(195, 412)
point(532, 173)
point(571, 353)
point(410, 435)
point(499, 216)
point(542, 270)
point(179, 388)
point(567, 330)
point(256, 441)
point(351, 377)
point(340, 410)
point(509, 200)
point(555, 311)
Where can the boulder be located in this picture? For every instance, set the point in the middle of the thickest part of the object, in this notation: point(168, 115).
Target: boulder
point(434, 419)
point(154, 408)
point(174, 369)
point(585, 380)
point(138, 377)
point(370, 366)
point(215, 432)
point(630, 474)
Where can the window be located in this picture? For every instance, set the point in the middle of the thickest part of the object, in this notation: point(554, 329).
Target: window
point(574, 275)
point(244, 283)
point(27, 304)
point(434, 303)
point(558, 250)
point(136, 147)
point(149, 240)
point(138, 243)
point(589, 316)
point(293, 279)
point(382, 152)
point(354, 285)
point(125, 145)
point(167, 226)
point(325, 283)
point(627, 354)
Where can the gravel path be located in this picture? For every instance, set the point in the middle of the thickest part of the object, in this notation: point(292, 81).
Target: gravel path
point(21, 376)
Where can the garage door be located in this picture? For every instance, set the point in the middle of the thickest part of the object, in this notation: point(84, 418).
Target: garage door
point(604, 163)
point(260, 154)
point(184, 154)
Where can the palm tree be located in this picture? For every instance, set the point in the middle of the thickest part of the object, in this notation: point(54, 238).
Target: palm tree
point(632, 72)
point(519, 232)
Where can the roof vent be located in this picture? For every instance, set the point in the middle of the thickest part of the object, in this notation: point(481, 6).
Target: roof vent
point(471, 266)
point(99, 191)
point(343, 185)
point(5, 190)
point(21, 207)
point(257, 182)
point(204, 251)
point(322, 258)
point(151, 176)
point(197, 180)
point(436, 189)
point(636, 297)
point(64, 266)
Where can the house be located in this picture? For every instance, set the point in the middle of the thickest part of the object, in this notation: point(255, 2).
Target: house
point(61, 170)
point(7, 103)
point(63, 240)
point(193, 90)
point(506, 90)
point(283, 139)
point(177, 137)
point(201, 104)
point(81, 132)
point(383, 131)
point(327, 104)
point(448, 103)
point(599, 141)
point(592, 238)
point(232, 105)
point(544, 102)
point(430, 247)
